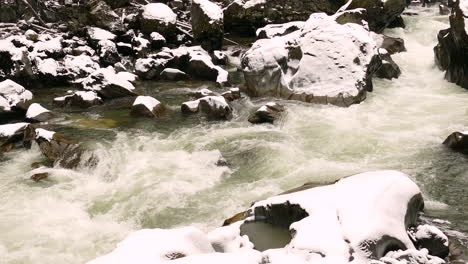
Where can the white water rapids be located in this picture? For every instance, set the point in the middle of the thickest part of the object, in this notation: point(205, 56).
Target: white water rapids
point(147, 180)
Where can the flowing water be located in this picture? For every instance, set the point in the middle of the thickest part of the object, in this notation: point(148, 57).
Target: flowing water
point(164, 174)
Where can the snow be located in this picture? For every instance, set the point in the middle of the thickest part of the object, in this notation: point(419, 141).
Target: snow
point(85, 95)
point(216, 102)
point(161, 12)
point(12, 94)
point(35, 110)
point(45, 134)
point(52, 45)
point(151, 246)
point(252, 3)
point(428, 231)
point(156, 36)
point(108, 76)
point(47, 66)
point(413, 256)
point(148, 101)
point(192, 106)
point(80, 65)
point(16, 53)
point(10, 129)
point(99, 34)
point(212, 10)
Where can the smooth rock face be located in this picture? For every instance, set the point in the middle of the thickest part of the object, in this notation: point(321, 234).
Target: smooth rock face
point(207, 24)
point(268, 113)
point(158, 17)
point(147, 106)
point(324, 62)
point(457, 141)
point(452, 49)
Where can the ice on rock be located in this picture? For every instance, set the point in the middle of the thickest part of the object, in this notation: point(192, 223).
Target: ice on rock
point(12, 94)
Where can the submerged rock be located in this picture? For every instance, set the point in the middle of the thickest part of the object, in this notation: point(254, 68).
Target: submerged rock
point(324, 62)
point(452, 48)
point(457, 141)
point(207, 24)
point(147, 106)
point(268, 113)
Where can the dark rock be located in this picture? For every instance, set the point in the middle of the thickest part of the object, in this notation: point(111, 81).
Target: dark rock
point(398, 22)
point(39, 176)
point(207, 24)
point(157, 41)
point(215, 107)
point(38, 113)
point(147, 106)
point(430, 238)
point(117, 3)
point(11, 135)
point(268, 113)
point(79, 99)
point(158, 17)
point(356, 16)
point(219, 57)
point(174, 75)
point(108, 53)
point(389, 69)
point(444, 10)
point(232, 94)
point(125, 49)
point(393, 45)
point(380, 13)
point(14, 63)
point(457, 141)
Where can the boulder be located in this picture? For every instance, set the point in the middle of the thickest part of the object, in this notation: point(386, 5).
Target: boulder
point(13, 96)
point(109, 85)
point(14, 62)
point(79, 99)
point(457, 141)
point(219, 57)
point(430, 238)
point(31, 35)
point(215, 107)
point(76, 67)
point(389, 69)
point(451, 52)
point(232, 94)
point(147, 106)
point(207, 24)
point(268, 113)
point(324, 62)
point(278, 30)
point(38, 113)
point(190, 107)
point(108, 53)
point(11, 134)
point(101, 15)
point(158, 17)
point(392, 45)
point(380, 13)
point(157, 40)
point(171, 74)
point(95, 35)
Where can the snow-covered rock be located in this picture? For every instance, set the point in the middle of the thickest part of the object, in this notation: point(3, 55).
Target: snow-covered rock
point(267, 113)
point(324, 62)
point(31, 35)
point(147, 106)
point(76, 67)
point(207, 24)
point(215, 107)
point(389, 69)
point(219, 57)
point(430, 238)
point(95, 34)
point(157, 40)
point(38, 113)
point(10, 134)
point(278, 30)
point(158, 17)
point(48, 47)
point(108, 54)
point(80, 99)
point(13, 95)
point(14, 62)
point(190, 107)
point(457, 141)
point(232, 94)
point(109, 84)
point(173, 75)
point(202, 93)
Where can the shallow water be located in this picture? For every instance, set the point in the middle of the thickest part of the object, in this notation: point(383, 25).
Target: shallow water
point(163, 173)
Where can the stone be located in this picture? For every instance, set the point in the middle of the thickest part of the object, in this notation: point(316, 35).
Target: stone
point(79, 99)
point(13, 96)
point(158, 17)
point(457, 141)
point(232, 95)
point(108, 53)
point(190, 107)
point(389, 69)
point(268, 113)
point(38, 113)
point(147, 106)
point(157, 41)
point(117, 3)
point(207, 24)
point(215, 107)
point(109, 85)
point(393, 45)
point(430, 238)
point(171, 74)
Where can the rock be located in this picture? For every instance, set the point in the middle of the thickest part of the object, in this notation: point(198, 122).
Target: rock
point(171, 74)
point(39, 176)
point(108, 53)
point(76, 67)
point(158, 17)
point(38, 113)
point(202, 93)
point(430, 238)
point(13, 96)
point(101, 15)
point(80, 99)
point(117, 3)
point(207, 24)
point(278, 30)
point(31, 35)
point(393, 45)
point(157, 40)
point(200, 66)
point(109, 85)
point(140, 45)
point(380, 14)
point(190, 107)
point(11, 134)
point(410, 256)
point(324, 62)
point(147, 106)
point(389, 69)
point(58, 149)
point(444, 10)
point(219, 57)
point(215, 107)
point(125, 49)
point(457, 141)
point(95, 35)
point(14, 62)
point(452, 48)
point(232, 94)
point(49, 47)
point(268, 113)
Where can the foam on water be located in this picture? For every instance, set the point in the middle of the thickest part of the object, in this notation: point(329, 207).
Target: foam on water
point(147, 180)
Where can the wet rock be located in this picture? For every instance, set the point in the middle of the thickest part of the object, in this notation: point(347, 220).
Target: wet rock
point(202, 93)
point(37, 177)
point(157, 41)
point(322, 63)
point(10, 135)
point(207, 24)
point(109, 85)
point(80, 99)
point(171, 74)
point(393, 45)
point(430, 238)
point(452, 48)
point(215, 107)
point(147, 106)
point(389, 69)
point(457, 141)
point(38, 113)
point(13, 97)
point(190, 107)
point(232, 94)
point(268, 113)
point(398, 22)
point(158, 17)
point(219, 57)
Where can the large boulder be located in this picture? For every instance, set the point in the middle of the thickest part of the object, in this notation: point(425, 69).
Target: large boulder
point(451, 52)
point(267, 113)
point(158, 17)
point(215, 107)
point(380, 13)
point(109, 85)
point(323, 62)
point(207, 24)
point(13, 96)
point(457, 141)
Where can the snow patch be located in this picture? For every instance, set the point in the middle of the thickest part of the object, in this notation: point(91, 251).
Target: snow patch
point(35, 110)
point(11, 129)
point(45, 134)
point(148, 101)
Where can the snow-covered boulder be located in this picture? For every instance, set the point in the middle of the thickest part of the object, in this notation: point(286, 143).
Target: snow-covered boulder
point(190, 107)
point(278, 30)
point(14, 62)
point(95, 35)
point(173, 75)
point(389, 69)
point(430, 238)
point(48, 46)
point(109, 84)
point(157, 40)
point(108, 54)
point(149, 246)
point(76, 67)
point(452, 50)
point(147, 106)
point(207, 24)
point(37, 112)
point(158, 17)
point(80, 99)
point(267, 113)
point(10, 134)
point(457, 141)
point(215, 107)
point(13, 96)
point(324, 62)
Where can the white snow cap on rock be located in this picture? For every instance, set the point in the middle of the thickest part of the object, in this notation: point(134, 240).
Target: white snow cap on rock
point(9, 130)
point(161, 12)
point(98, 34)
point(109, 75)
point(148, 101)
point(45, 134)
point(212, 10)
point(48, 66)
point(85, 95)
point(12, 94)
point(35, 110)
